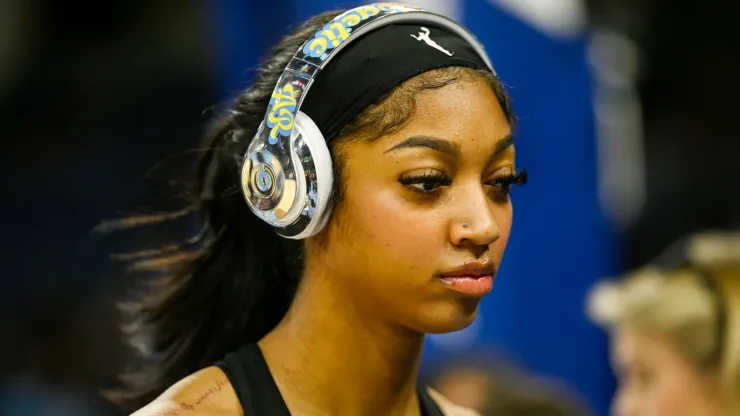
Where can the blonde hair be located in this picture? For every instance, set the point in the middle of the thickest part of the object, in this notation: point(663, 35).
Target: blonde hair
point(696, 307)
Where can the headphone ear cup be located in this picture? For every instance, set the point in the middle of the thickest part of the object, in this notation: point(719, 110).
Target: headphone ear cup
point(318, 178)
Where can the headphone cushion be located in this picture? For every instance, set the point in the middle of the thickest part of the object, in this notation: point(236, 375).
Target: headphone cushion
point(321, 157)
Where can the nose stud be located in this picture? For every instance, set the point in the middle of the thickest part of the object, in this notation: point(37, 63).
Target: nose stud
point(465, 225)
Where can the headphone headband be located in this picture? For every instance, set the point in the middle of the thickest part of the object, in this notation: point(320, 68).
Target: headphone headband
point(277, 157)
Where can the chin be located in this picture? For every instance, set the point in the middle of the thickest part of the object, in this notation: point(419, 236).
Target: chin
point(450, 317)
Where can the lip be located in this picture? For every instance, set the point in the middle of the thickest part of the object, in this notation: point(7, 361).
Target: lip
point(473, 278)
point(472, 269)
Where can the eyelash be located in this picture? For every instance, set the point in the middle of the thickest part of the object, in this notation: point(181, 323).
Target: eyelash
point(429, 177)
point(435, 179)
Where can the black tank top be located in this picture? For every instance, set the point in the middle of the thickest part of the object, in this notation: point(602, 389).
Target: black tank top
point(258, 394)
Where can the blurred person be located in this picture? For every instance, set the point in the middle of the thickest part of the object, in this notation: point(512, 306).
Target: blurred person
point(499, 389)
point(675, 330)
point(407, 133)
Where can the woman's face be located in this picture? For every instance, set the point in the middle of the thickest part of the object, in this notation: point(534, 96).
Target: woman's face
point(427, 200)
point(656, 380)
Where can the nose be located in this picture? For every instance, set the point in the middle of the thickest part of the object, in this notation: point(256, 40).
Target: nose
point(475, 224)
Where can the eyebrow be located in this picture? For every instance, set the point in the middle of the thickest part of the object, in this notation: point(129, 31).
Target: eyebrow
point(434, 143)
point(503, 144)
point(446, 146)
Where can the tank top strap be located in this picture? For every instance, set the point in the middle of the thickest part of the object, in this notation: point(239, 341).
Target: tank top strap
point(428, 406)
point(249, 375)
point(259, 395)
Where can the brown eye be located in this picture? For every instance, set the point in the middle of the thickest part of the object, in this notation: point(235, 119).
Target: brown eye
point(427, 181)
point(505, 181)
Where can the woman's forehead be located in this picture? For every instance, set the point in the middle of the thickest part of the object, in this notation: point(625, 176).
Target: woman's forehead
point(461, 114)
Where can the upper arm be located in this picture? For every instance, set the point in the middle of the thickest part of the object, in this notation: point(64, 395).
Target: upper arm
point(448, 407)
point(205, 393)
point(164, 408)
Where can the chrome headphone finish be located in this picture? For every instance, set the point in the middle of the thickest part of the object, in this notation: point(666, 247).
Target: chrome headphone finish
point(279, 173)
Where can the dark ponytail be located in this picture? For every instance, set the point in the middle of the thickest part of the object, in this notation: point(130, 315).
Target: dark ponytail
point(231, 283)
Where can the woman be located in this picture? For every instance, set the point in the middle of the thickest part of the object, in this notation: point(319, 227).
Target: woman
point(675, 329)
point(331, 320)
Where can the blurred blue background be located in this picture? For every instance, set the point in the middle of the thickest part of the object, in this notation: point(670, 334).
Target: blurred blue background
point(627, 131)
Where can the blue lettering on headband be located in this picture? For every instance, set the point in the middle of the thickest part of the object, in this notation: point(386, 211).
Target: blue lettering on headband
point(281, 116)
point(338, 30)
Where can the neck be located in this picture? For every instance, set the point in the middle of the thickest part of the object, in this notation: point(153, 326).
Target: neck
point(329, 356)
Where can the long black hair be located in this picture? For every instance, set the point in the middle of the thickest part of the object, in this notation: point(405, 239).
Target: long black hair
point(235, 279)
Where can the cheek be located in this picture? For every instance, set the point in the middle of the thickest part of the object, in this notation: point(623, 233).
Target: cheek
point(504, 216)
point(663, 399)
point(672, 396)
point(382, 218)
point(657, 400)
point(669, 398)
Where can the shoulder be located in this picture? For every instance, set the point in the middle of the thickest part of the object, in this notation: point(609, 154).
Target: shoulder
point(205, 393)
point(448, 407)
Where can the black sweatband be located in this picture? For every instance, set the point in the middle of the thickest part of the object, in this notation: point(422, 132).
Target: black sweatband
point(374, 64)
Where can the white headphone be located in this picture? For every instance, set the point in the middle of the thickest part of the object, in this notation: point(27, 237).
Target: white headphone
point(287, 173)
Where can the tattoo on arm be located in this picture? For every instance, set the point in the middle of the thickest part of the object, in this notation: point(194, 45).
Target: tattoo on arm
point(190, 405)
